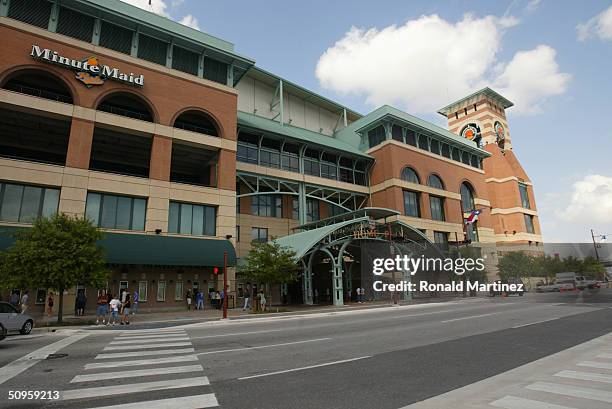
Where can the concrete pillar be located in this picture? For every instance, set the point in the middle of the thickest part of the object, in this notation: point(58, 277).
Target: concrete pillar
point(79, 144)
point(161, 156)
point(338, 293)
point(227, 178)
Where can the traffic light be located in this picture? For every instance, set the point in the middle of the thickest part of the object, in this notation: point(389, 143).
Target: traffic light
point(216, 270)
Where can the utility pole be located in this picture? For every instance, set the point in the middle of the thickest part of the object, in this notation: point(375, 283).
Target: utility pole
point(225, 295)
point(595, 245)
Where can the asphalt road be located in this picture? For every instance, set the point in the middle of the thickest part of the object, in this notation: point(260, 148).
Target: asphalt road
point(380, 358)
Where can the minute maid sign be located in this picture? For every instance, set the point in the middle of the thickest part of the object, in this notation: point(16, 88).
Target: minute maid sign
point(89, 71)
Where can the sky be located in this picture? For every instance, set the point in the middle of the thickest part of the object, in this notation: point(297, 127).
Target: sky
point(552, 58)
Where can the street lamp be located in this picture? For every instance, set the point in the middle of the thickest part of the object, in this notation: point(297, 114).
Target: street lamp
point(603, 239)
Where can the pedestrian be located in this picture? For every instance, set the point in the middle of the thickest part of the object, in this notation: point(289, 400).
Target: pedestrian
point(199, 300)
point(50, 304)
point(102, 307)
point(25, 302)
point(362, 295)
point(188, 298)
point(222, 298)
point(358, 294)
point(125, 309)
point(114, 306)
point(217, 300)
point(262, 300)
point(14, 299)
point(123, 293)
point(81, 302)
point(136, 299)
point(247, 300)
point(109, 297)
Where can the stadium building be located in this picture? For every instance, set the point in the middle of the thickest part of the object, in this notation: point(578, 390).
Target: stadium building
point(181, 150)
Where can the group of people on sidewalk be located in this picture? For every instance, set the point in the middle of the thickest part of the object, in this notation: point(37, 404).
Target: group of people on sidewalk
point(261, 298)
point(110, 308)
point(215, 298)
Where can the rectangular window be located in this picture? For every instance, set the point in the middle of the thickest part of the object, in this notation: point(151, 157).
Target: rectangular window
point(178, 291)
point(376, 136)
point(196, 220)
point(259, 234)
point(295, 209)
point(35, 12)
point(524, 196)
point(21, 203)
point(41, 295)
point(291, 162)
point(152, 49)
point(75, 24)
point(312, 210)
point(185, 60)
point(411, 204)
point(529, 223)
point(161, 291)
point(116, 212)
point(267, 206)
point(441, 238)
point(116, 38)
point(215, 71)
point(437, 208)
point(143, 291)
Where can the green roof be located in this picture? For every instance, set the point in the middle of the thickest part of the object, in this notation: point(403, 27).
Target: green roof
point(349, 134)
point(147, 249)
point(486, 91)
point(299, 134)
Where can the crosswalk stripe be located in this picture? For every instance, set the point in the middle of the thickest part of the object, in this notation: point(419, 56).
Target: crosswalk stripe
point(573, 391)
point(145, 353)
point(134, 388)
point(186, 402)
point(150, 341)
point(514, 402)
point(594, 364)
point(153, 361)
point(585, 376)
point(146, 346)
point(137, 373)
point(139, 336)
point(151, 330)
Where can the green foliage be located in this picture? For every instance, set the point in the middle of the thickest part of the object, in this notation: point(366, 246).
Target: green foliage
point(270, 263)
point(515, 264)
point(520, 264)
point(56, 253)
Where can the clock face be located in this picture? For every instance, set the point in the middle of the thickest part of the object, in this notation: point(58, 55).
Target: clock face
point(470, 131)
point(500, 132)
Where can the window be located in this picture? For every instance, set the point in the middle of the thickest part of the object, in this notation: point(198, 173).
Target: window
point(248, 147)
point(411, 204)
point(161, 291)
point(312, 210)
point(290, 159)
point(410, 175)
point(215, 71)
point(116, 38)
point(465, 158)
point(329, 170)
point(376, 136)
point(435, 147)
point(196, 220)
point(397, 133)
point(267, 205)
point(20, 203)
point(41, 295)
point(524, 196)
point(35, 12)
point(295, 208)
point(75, 25)
point(152, 49)
point(423, 142)
point(436, 204)
point(435, 182)
point(411, 137)
point(116, 212)
point(441, 238)
point(467, 197)
point(185, 60)
point(335, 210)
point(270, 153)
point(259, 234)
point(456, 154)
point(311, 162)
point(143, 291)
point(446, 151)
point(529, 223)
point(178, 291)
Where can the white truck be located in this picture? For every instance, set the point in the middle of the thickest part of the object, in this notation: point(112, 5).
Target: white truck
point(579, 282)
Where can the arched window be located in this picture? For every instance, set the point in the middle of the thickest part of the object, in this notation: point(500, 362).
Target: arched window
point(126, 104)
point(435, 181)
point(39, 83)
point(410, 175)
point(467, 197)
point(197, 121)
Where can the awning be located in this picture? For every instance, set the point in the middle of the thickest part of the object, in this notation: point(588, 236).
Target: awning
point(146, 249)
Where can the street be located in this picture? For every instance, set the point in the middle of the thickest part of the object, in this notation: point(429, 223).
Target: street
point(376, 358)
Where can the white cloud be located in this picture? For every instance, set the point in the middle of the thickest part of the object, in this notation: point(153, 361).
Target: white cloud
point(190, 21)
point(590, 201)
point(157, 6)
point(600, 26)
point(428, 62)
point(532, 5)
point(530, 78)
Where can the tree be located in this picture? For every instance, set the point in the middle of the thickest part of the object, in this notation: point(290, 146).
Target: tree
point(270, 263)
point(515, 264)
point(58, 252)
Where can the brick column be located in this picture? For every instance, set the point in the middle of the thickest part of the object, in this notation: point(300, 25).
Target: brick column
point(79, 144)
point(161, 156)
point(226, 179)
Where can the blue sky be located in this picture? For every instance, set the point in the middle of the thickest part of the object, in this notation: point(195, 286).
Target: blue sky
point(551, 57)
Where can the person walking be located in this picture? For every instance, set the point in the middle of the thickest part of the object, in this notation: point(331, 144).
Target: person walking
point(222, 299)
point(188, 298)
point(199, 300)
point(102, 306)
point(14, 299)
point(125, 310)
point(247, 300)
point(136, 298)
point(81, 302)
point(25, 302)
point(50, 303)
point(114, 306)
point(217, 300)
point(358, 294)
point(109, 298)
point(262, 300)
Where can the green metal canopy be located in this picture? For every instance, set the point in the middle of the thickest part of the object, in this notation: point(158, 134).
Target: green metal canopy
point(146, 249)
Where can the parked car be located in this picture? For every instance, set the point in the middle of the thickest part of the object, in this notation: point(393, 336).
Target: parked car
point(2, 332)
point(12, 320)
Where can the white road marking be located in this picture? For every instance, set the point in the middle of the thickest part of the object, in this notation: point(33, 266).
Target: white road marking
point(136, 373)
point(147, 346)
point(134, 388)
point(239, 333)
point(304, 368)
point(19, 365)
point(151, 330)
point(143, 336)
point(573, 391)
point(585, 376)
point(150, 341)
point(514, 402)
point(262, 346)
point(470, 317)
point(605, 355)
point(154, 361)
point(533, 323)
point(187, 402)
point(145, 353)
point(593, 364)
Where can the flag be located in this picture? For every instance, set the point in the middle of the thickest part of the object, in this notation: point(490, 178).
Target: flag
point(472, 216)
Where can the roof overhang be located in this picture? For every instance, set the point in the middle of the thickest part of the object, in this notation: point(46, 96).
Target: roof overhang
point(473, 98)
